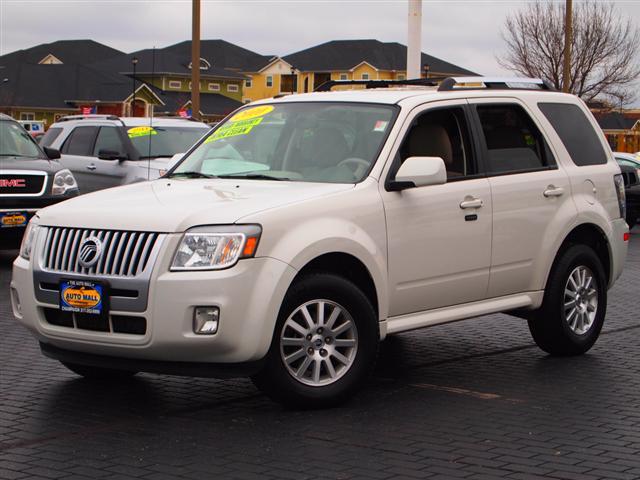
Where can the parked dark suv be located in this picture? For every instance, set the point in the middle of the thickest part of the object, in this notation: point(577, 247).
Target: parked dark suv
point(30, 178)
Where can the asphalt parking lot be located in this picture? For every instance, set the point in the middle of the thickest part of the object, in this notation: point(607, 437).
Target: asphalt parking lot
point(473, 399)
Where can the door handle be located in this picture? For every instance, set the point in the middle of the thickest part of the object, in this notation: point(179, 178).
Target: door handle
point(471, 202)
point(91, 166)
point(553, 191)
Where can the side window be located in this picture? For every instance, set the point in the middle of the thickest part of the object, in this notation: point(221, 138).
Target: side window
point(442, 133)
point(81, 141)
point(108, 139)
point(576, 132)
point(514, 143)
point(52, 134)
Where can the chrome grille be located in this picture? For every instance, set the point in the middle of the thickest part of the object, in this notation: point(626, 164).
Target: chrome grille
point(124, 254)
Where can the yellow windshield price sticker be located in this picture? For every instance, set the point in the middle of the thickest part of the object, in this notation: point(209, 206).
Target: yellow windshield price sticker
point(252, 113)
point(242, 127)
point(141, 132)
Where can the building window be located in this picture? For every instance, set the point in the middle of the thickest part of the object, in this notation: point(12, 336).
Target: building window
point(232, 87)
point(246, 100)
point(189, 85)
point(365, 76)
point(269, 81)
point(175, 84)
point(343, 76)
point(214, 87)
point(401, 76)
point(27, 116)
point(248, 83)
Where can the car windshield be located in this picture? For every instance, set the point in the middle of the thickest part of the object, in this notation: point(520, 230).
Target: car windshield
point(314, 142)
point(158, 141)
point(16, 142)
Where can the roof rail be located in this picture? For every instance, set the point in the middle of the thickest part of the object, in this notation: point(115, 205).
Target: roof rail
point(497, 83)
point(88, 117)
point(425, 82)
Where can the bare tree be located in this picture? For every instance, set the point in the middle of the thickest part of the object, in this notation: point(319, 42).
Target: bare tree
point(604, 49)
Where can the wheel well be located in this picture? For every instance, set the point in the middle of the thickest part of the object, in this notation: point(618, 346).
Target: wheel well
point(346, 266)
point(591, 235)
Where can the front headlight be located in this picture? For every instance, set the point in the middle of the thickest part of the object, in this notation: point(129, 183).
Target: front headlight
point(216, 247)
point(63, 181)
point(29, 239)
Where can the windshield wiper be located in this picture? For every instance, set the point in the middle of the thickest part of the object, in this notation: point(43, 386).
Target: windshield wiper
point(191, 174)
point(255, 176)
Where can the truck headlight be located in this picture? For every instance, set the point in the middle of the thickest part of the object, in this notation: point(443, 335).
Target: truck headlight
point(216, 247)
point(63, 181)
point(29, 239)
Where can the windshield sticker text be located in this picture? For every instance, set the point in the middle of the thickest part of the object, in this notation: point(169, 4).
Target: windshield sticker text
point(141, 132)
point(251, 113)
point(242, 127)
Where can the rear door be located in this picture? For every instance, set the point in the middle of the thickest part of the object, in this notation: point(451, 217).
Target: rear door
point(530, 191)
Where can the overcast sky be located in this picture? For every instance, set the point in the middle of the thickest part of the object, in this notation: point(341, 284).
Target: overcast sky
point(466, 33)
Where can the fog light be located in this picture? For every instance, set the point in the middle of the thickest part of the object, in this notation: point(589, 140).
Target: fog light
point(205, 320)
point(15, 300)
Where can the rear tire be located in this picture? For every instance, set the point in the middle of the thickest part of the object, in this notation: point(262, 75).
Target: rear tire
point(324, 345)
point(574, 305)
point(97, 373)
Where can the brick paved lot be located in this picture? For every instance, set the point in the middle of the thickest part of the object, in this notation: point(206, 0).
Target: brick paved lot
point(472, 399)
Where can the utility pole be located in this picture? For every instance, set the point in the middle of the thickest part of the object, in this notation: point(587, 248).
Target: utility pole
point(568, 38)
point(195, 60)
point(414, 50)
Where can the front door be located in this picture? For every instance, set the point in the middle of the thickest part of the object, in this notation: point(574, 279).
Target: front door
point(80, 155)
point(439, 237)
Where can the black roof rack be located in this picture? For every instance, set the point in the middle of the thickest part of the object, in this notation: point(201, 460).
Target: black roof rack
point(494, 83)
point(425, 82)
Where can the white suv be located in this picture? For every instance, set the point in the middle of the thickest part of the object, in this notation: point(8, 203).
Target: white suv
point(104, 151)
point(305, 229)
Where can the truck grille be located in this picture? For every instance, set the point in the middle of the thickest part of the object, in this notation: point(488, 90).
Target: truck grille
point(124, 254)
point(19, 183)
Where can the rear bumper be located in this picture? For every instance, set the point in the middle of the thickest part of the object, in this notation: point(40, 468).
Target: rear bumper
point(618, 248)
point(189, 369)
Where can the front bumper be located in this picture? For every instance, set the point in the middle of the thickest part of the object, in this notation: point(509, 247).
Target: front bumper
point(249, 296)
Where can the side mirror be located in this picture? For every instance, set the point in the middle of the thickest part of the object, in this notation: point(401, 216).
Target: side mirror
point(51, 153)
point(110, 155)
point(419, 172)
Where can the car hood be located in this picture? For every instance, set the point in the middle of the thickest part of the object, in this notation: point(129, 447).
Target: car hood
point(160, 163)
point(26, 164)
point(174, 205)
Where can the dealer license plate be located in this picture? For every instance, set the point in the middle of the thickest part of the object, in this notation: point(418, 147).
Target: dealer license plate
point(81, 296)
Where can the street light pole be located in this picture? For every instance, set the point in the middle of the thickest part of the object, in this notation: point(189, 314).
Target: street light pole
point(568, 38)
point(195, 60)
point(134, 60)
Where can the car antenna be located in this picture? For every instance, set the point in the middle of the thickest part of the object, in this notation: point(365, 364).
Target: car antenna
point(153, 71)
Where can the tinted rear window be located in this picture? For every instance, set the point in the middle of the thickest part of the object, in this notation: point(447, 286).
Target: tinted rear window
point(576, 132)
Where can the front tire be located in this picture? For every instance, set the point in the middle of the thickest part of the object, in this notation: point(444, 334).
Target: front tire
point(574, 305)
point(324, 345)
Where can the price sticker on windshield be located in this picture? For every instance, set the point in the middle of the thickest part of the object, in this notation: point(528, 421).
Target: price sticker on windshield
point(252, 113)
point(242, 127)
point(141, 132)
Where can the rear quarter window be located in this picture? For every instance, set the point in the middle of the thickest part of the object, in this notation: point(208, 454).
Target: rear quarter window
point(576, 132)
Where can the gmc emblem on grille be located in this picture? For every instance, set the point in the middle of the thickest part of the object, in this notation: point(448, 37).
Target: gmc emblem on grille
point(13, 182)
point(90, 251)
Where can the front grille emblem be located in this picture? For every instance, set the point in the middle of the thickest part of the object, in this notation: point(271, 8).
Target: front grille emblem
point(90, 251)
